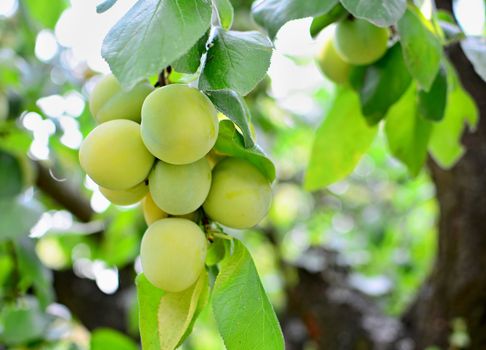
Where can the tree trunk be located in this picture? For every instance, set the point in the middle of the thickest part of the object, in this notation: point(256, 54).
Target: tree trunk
point(456, 287)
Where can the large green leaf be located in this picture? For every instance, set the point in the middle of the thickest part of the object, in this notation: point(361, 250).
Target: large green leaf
point(244, 315)
point(383, 83)
point(234, 107)
point(432, 103)
point(18, 216)
point(382, 13)
point(273, 14)
point(333, 15)
point(148, 306)
point(189, 62)
point(407, 132)
point(339, 143)
point(421, 47)
point(445, 142)
point(230, 143)
point(236, 61)
point(225, 12)
point(105, 338)
point(152, 35)
point(176, 312)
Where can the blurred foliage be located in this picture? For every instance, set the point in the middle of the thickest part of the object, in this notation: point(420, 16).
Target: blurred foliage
point(380, 219)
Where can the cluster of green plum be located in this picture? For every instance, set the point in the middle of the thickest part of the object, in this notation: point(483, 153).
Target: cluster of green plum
point(156, 146)
point(355, 42)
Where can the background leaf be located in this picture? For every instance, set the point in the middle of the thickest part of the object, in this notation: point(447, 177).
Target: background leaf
point(10, 225)
point(333, 15)
point(383, 83)
point(144, 41)
point(407, 132)
point(475, 50)
point(104, 338)
point(381, 13)
point(234, 107)
point(225, 13)
point(244, 315)
point(445, 142)
point(176, 312)
point(46, 12)
point(11, 176)
point(230, 143)
point(105, 6)
point(339, 143)
point(422, 49)
point(432, 104)
point(273, 14)
point(148, 306)
point(236, 60)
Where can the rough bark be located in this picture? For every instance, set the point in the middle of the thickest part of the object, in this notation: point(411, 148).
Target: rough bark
point(456, 287)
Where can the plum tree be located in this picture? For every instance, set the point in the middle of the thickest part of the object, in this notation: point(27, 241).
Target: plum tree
point(179, 124)
point(360, 42)
point(240, 195)
point(114, 156)
point(173, 252)
point(125, 197)
point(151, 212)
point(331, 63)
point(109, 101)
point(180, 189)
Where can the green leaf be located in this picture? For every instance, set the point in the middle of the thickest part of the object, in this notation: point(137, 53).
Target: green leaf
point(18, 217)
point(381, 13)
point(230, 143)
point(46, 12)
point(475, 50)
point(245, 317)
point(152, 35)
point(234, 107)
point(407, 132)
point(273, 14)
point(383, 83)
point(216, 252)
point(225, 13)
point(432, 104)
point(339, 143)
point(421, 48)
point(11, 176)
point(22, 324)
point(445, 142)
point(105, 6)
point(236, 61)
point(148, 306)
point(34, 273)
point(105, 338)
point(176, 312)
point(189, 63)
point(335, 14)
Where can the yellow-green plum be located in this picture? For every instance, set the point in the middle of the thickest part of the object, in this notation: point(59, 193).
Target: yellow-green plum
point(172, 252)
point(109, 100)
point(126, 197)
point(151, 212)
point(179, 124)
point(180, 189)
point(331, 63)
point(240, 196)
point(360, 42)
point(114, 156)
